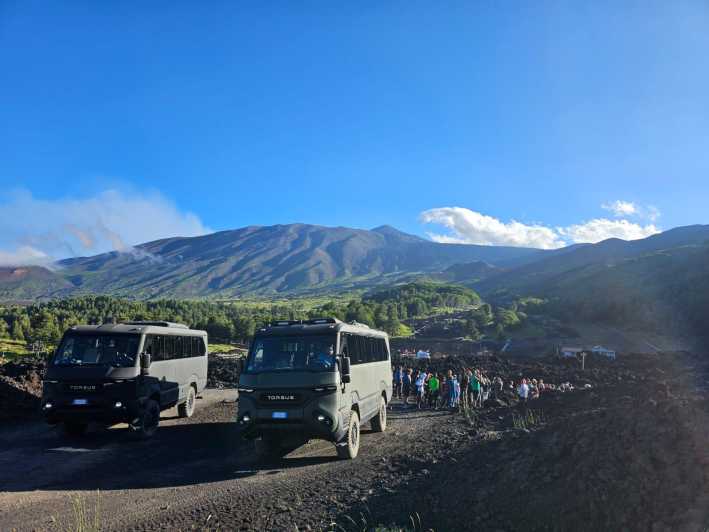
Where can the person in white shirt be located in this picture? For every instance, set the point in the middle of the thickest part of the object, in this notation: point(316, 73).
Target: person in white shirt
point(523, 391)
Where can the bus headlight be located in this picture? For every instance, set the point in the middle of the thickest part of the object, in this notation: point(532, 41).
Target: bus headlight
point(322, 418)
point(246, 418)
point(47, 405)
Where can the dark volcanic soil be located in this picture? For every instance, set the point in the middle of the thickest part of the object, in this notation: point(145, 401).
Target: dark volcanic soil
point(21, 388)
point(627, 453)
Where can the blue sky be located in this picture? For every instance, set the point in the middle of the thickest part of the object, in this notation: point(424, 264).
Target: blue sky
point(222, 115)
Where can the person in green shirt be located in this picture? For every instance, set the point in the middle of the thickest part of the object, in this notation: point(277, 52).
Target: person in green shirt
point(434, 387)
point(476, 388)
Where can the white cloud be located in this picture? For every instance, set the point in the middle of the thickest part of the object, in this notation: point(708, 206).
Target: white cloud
point(23, 256)
point(626, 209)
point(602, 229)
point(65, 227)
point(652, 213)
point(621, 208)
point(470, 227)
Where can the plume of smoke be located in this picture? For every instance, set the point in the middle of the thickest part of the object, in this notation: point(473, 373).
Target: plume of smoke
point(110, 221)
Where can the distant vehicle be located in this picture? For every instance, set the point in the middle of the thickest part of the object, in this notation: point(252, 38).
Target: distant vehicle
point(312, 379)
point(126, 372)
point(423, 354)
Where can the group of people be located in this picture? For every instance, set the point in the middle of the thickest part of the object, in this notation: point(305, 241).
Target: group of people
point(471, 388)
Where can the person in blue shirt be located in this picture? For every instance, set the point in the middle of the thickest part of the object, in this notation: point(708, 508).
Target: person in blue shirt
point(406, 385)
point(397, 381)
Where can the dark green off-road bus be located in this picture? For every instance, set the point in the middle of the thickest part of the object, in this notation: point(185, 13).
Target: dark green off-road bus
point(124, 373)
point(319, 378)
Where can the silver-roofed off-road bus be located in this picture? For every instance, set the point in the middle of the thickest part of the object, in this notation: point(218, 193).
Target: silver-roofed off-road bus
point(124, 372)
point(318, 378)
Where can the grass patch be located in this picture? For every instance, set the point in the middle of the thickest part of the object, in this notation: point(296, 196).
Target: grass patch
point(10, 349)
point(527, 419)
point(222, 348)
point(469, 413)
point(365, 523)
point(84, 517)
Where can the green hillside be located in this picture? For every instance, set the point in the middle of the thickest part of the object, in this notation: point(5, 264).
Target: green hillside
point(264, 261)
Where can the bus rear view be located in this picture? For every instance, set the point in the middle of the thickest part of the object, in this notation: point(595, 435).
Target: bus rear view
point(314, 379)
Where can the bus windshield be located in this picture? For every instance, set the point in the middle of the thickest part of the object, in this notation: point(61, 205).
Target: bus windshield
point(292, 353)
point(117, 350)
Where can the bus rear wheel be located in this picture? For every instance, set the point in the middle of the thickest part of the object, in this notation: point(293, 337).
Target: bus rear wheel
point(379, 422)
point(348, 447)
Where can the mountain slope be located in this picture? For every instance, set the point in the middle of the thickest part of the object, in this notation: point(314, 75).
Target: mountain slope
point(283, 259)
point(570, 265)
point(25, 282)
point(660, 282)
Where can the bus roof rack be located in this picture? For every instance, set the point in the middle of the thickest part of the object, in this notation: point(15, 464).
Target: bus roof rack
point(321, 321)
point(314, 321)
point(285, 323)
point(169, 324)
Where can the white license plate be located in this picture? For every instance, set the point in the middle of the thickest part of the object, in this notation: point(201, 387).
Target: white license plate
point(80, 402)
point(279, 415)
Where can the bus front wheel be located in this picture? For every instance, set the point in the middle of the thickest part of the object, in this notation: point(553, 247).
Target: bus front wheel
point(348, 447)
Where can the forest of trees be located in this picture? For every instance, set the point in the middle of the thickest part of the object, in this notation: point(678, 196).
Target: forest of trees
point(234, 321)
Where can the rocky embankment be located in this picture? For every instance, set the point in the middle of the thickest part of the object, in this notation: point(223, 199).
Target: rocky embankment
point(21, 383)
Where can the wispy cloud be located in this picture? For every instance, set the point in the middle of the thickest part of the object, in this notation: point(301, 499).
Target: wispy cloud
point(621, 208)
point(24, 256)
point(629, 209)
point(602, 229)
point(37, 231)
point(470, 227)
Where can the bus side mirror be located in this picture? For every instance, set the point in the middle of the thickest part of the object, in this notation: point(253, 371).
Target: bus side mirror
point(346, 370)
point(144, 363)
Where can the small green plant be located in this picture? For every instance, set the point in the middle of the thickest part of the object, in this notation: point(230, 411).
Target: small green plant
point(365, 523)
point(84, 519)
point(469, 413)
point(527, 419)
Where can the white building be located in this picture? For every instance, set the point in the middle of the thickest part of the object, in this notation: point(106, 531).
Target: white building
point(600, 350)
point(570, 352)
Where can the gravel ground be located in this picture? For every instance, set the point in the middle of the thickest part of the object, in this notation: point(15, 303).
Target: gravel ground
point(629, 453)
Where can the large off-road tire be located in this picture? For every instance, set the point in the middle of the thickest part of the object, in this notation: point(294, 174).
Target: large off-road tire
point(74, 429)
point(379, 422)
point(348, 447)
point(186, 409)
point(148, 420)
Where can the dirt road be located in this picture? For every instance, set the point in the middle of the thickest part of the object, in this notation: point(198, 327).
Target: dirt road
point(625, 450)
point(194, 473)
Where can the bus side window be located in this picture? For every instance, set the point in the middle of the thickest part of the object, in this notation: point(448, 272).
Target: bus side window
point(371, 350)
point(195, 346)
point(179, 347)
point(202, 347)
point(152, 346)
point(169, 351)
point(358, 350)
point(381, 349)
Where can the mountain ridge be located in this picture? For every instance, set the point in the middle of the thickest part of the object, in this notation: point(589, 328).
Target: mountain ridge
point(263, 260)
